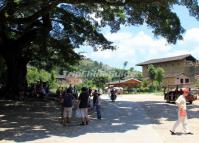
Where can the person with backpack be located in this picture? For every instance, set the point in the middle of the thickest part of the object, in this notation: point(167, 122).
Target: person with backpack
point(67, 104)
point(83, 105)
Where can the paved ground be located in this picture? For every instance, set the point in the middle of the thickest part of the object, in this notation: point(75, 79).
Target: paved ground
point(137, 118)
point(164, 115)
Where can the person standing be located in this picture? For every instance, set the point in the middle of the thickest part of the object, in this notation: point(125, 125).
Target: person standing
point(70, 89)
point(61, 100)
point(67, 103)
point(182, 113)
point(75, 92)
point(90, 91)
point(98, 106)
point(95, 94)
point(83, 105)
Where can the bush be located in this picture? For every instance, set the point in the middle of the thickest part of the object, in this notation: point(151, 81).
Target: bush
point(34, 75)
point(152, 88)
point(88, 83)
point(143, 89)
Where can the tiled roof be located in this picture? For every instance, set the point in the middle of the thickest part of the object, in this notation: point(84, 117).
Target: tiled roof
point(161, 60)
point(126, 80)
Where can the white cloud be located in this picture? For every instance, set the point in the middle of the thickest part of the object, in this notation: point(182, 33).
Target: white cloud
point(139, 47)
point(192, 35)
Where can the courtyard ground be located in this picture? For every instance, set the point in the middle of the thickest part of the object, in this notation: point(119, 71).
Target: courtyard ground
point(132, 118)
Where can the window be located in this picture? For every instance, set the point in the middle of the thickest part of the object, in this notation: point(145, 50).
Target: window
point(186, 80)
point(181, 80)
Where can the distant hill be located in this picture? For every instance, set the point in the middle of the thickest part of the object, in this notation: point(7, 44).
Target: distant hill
point(91, 69)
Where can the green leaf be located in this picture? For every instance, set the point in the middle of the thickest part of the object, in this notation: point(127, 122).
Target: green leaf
point(17, 1)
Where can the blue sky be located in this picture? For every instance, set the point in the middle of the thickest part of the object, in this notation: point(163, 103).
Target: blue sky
point(137, 44)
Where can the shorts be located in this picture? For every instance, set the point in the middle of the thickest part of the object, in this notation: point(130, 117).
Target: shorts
point(84, 112)
point(67, 112)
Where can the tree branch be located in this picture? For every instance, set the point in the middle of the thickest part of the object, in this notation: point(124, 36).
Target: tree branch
point(113, 2)
point(44, 10)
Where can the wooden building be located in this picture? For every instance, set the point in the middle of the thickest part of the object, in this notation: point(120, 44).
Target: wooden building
point(178, 70)
point(125, 83)
point(69, 79)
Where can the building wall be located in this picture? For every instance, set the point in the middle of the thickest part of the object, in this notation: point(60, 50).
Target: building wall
point(192, 71)
point(145, 71)
point(74, 80)
point(169, 67)
point(176, 67)
point(168, 81)
point(70, 80)
point(180, 79)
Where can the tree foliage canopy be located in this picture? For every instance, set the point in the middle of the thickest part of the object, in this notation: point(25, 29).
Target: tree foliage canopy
point(49, 30)
point(45, 32)
point(159, 75)
point(39, 18)
point(155, 74)
point(152, 72)
point(35, 75)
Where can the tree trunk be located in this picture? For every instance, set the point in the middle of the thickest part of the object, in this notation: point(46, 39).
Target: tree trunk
point(16, 74)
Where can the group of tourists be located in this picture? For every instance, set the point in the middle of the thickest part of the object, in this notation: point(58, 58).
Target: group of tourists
point(78, 105)
point(36, 90)
point(39, 90)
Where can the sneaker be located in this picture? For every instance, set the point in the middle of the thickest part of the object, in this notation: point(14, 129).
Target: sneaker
point(82, 124)
point(189, 133)
point(172, 133)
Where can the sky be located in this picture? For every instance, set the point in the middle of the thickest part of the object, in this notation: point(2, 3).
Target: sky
point(138, 44)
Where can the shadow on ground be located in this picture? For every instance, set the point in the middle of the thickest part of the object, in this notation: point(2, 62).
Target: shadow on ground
point(29, 121)
point(158, 110)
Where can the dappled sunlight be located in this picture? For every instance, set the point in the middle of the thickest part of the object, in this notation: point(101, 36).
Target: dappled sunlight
point(117, 124)
point(196, 109)
point(39, 120)
point(5, 129)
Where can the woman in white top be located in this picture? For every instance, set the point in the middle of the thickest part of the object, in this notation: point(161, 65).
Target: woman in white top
point(182, 113)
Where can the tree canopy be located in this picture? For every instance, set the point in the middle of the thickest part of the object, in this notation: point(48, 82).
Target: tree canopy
point(155, 74)
point(45, 32)
point(152, 72)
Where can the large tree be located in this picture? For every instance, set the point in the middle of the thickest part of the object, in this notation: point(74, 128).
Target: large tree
point(159, 75)
point(152, 73)
point(45, 32)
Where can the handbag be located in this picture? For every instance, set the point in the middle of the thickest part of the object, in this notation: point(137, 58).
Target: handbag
point(183, 113)
point(78, 113)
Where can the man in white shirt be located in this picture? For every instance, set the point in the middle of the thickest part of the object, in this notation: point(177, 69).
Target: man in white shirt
point(182, 113)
